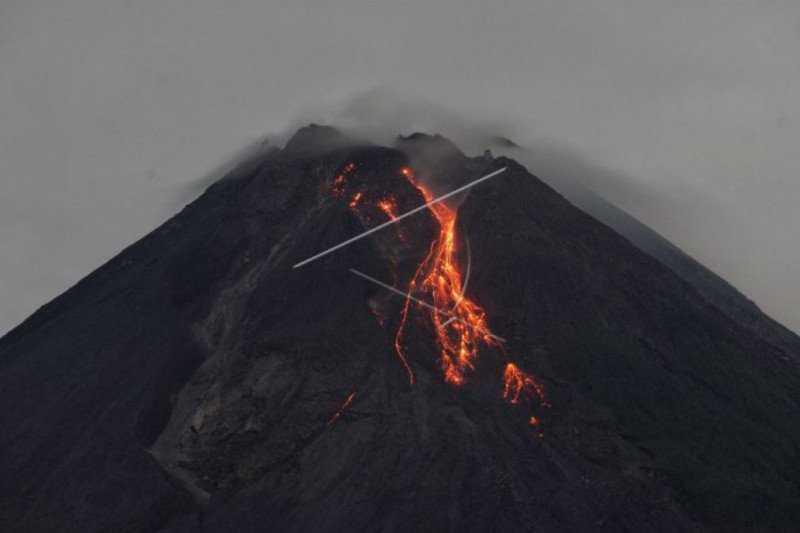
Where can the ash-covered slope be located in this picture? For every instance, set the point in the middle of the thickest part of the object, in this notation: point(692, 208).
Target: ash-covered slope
point(197, 382)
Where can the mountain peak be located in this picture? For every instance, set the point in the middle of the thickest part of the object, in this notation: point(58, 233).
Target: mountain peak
point(315, 138)
point(434, 145)
point(509, 364)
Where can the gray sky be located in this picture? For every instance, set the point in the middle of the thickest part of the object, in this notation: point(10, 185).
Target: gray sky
point(110, 111)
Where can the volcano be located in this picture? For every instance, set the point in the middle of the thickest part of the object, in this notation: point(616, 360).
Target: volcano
point(499, 361)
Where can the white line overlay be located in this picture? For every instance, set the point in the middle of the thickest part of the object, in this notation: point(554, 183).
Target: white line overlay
point(425, 304)
point(399, 218)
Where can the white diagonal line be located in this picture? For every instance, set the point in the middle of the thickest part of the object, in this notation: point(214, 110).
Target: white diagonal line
point(421, 302)
point(399, 218)
point(466, 278)
point(396, 291)
point(464, 287)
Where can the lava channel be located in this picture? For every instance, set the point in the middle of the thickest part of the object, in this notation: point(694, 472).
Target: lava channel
point(459, 323)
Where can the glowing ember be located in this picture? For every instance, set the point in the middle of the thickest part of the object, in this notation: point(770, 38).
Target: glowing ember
point(341, 410)
point(533, 421)
point(388, 206)
point(519, 385)
point(341, 178)
point(355, 200)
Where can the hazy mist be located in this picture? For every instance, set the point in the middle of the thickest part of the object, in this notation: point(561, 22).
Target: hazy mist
point(685, 114)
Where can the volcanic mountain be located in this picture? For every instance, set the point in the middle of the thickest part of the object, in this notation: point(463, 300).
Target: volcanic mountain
point(499, 361)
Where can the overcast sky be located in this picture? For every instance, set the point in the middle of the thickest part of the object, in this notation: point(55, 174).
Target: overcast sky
point(110, 111)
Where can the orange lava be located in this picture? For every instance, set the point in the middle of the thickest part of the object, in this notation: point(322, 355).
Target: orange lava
point(460, 323)
point(356, 198)
point(389, 206)
point(519, 385)
point(341, 178)
point(341, 410)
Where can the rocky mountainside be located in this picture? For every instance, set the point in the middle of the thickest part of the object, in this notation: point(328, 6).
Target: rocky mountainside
point(199, 382)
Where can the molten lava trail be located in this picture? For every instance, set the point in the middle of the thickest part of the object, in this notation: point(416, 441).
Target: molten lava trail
point(338, 186)
point(518, 385)
point(460, 324)
point(460, 330)
point(342, 409)
point(416, 300)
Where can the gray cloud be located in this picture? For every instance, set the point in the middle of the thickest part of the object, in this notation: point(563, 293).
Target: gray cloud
point(685, 112)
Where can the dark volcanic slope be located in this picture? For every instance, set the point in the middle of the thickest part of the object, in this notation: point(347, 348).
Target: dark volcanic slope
point(192, 383)
point(716, 290)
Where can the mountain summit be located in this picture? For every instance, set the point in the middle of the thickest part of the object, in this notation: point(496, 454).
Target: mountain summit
point(545, 374)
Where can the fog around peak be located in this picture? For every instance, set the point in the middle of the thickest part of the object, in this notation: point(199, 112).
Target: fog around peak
point(682, 113)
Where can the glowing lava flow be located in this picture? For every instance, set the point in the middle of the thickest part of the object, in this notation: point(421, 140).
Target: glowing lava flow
point(341, 410)
point(439, 276)
point(355, 200)
point(388, 206)
point(341, 178)
point(519, 385)
point(459, 323)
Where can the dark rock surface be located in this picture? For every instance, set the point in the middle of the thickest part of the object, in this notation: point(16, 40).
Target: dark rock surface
point(711, 286)
point(192, 383)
